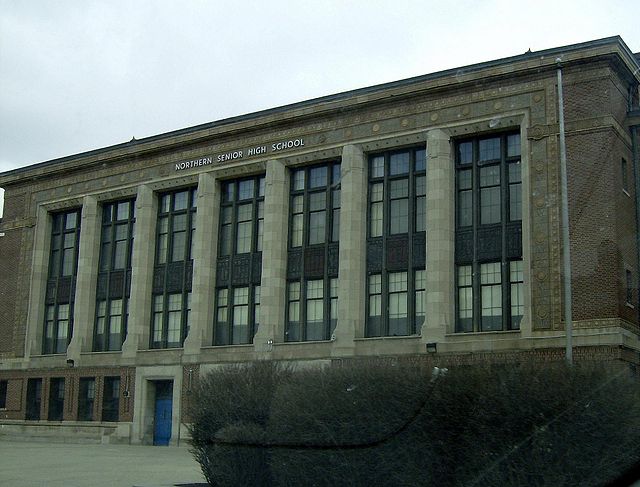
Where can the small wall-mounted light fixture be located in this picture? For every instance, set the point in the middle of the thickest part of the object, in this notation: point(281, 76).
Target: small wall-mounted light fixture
point(125, 393)
point(70, 362)
point(432, 347)
point(190, 380)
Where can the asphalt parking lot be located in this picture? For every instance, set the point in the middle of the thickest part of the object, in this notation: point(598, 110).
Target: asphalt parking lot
point(36, 464)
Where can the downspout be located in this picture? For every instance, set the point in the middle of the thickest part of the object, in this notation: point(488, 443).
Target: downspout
point(564, 205)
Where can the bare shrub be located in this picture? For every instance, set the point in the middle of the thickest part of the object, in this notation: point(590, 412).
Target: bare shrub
point(389, 424)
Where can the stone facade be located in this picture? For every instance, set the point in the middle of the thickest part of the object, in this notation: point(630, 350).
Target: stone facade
point(516, 95)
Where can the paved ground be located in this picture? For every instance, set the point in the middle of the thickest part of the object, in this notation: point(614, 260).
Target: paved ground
point(38, 464)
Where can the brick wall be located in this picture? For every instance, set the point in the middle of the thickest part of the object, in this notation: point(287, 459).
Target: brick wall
point(12, 274)
point(17, 391)
point(602, 216)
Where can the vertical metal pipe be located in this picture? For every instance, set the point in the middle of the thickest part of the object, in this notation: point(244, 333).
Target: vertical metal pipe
point(566, 255)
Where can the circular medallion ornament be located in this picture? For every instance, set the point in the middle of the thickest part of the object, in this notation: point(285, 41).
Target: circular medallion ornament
point(375, 127)
point(537, 98)
point(434, 117)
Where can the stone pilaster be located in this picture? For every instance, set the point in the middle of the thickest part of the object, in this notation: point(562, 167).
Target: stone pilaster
point(39, 270)
point(353, 250)
point(274, 258)
point(142, 260)
point(440, 249)
point(204, 266)
point(85, 298)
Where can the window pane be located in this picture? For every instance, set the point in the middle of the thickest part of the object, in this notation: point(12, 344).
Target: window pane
point(490, 205)
point(374, 321)
point(515, 172)
point(317, 227)
point(120, 255)
point(377, 192)
point(489, 176)
point(67, 262)
point(335, 173)
point(464, 179)
point(465, 153)
point(296, 231)
point(225, 240)
point(298, 180)
point(375, 284)
point(515, 201)
point(465, 309)
point(181, 200)
point(315, 289)
point(243, 241)
point(317, 201)
point(294, 291)
point(398, 323)
point(122, 210)
point(513, 145)
point(179, 246)
point(397, 281)
point(377, 167)
point(399, 216)
point(293, 324)
point(421, 214)
point(335, 230)
point(228, 191)
point(107, 213)
point(399, 163)
point(489, 149)
point(421, 159)
point(318, 177)
point(245, 189)
point(464, 275)
point(491, 308)
point(297, 204)
point(376, 220)
point(399, 188)
point(421, 186)
point(490, 273)
point(164, 203)
point(71, 221)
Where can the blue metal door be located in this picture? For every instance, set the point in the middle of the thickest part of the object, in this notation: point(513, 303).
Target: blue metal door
point(162, 421)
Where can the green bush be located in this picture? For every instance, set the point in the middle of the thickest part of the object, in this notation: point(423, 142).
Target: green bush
point(392, 424)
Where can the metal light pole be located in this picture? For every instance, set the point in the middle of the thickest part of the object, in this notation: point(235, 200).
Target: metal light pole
point(566, 256)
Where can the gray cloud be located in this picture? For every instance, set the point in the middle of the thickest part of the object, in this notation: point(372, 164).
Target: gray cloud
point(75, 76)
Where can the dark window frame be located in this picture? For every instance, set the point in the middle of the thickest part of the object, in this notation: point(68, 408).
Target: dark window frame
point(385, 237)
point(56, 399)
point(165, 264)
point(86, 398)
point(61, 284)
point(103, 342)
point(111, 398)
point(299, 331)
point(232, 199)
point(624, 169)
point(4, 386)
point(34, 399)
point(468, 157)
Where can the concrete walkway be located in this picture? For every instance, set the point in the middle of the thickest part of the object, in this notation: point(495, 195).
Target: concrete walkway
point(38, 464)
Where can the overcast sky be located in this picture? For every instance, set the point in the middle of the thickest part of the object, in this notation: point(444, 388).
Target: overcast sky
point(79, 75)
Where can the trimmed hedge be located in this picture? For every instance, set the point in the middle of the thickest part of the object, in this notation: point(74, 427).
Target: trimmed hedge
point(391, 424)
